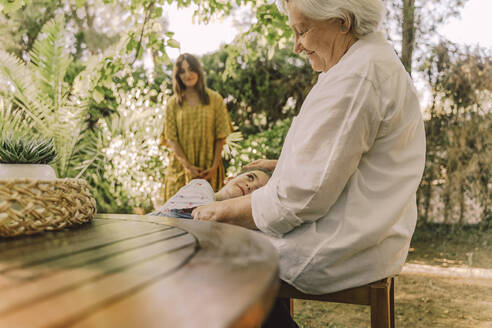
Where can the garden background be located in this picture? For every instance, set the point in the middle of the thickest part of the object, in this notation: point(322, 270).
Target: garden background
point(94, 76)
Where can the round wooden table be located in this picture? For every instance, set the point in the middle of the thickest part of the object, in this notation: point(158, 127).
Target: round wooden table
point(138, 271)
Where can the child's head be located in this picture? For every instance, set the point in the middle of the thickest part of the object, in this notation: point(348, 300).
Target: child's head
point(244, 183)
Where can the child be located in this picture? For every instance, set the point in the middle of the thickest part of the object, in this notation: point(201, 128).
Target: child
point(198, 192)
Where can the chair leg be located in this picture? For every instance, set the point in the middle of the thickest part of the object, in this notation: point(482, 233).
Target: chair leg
point(392, 303)
point(291, 306)
point(381, 304)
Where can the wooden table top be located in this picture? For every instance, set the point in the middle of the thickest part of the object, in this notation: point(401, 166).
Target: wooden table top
point(138, 271)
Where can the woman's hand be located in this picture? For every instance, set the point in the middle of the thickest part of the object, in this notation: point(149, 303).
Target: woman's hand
point(215, 211)
point(208, 173)
point(268, 164)
point(235, 211)
point(193, 170)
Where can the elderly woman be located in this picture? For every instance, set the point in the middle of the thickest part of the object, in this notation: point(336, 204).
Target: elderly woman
point(340, 206)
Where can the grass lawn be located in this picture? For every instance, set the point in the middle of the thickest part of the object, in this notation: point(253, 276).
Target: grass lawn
point(423, 300)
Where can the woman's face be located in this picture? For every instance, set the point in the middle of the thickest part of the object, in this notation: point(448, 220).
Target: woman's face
point(187, 76)
point(243, 184)
point(322, 41)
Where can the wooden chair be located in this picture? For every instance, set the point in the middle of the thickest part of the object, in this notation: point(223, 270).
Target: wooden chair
point(378, 295)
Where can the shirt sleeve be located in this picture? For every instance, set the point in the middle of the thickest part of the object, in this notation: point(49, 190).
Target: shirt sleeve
point(170, 131)
point(222, 119)
point(337, 124)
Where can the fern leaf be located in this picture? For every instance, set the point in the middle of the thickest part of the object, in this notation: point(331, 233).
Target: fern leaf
point(26, 94)
point(41, 93)
point(18, 75)
point(11, 122)
point(50, 61)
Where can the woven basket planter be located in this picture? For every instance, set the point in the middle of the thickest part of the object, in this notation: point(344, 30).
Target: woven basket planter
point(32, 206)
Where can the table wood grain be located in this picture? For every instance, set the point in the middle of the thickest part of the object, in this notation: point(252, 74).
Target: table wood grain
point(138, 271)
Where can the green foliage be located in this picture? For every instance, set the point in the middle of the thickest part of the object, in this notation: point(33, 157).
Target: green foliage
point(19, 28)
point(266, 144)
point(99, 117)
point(459, 148)
point(11, 121)
point(271, 28)
point(139, 22)
point(48, 106)
point(49, 63)
point(44, 98)
point(131, 162)
point(263, 91)
point(269, 31)
point(459, 74)
point(96, 83)
point(8, 6)
point(412, 26)
point(110, 196)
point(19, 144)
point(22, 150)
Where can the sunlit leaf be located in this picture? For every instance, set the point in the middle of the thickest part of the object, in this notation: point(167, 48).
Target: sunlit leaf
point(173, 43)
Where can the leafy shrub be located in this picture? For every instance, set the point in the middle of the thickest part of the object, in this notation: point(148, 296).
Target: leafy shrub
point(131, 170)
point(111, 197)
point(260, 91)
point(266, 144)
point(455, 188)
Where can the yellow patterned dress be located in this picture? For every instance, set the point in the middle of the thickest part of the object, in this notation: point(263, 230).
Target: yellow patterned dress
point(195, 128)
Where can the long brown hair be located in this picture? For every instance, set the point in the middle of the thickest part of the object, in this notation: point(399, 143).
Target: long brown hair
point(178, 85)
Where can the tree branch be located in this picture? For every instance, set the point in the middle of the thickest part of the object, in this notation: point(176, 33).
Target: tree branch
point(147, 17)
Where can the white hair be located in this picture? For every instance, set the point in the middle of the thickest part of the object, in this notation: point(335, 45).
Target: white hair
point(365, 16)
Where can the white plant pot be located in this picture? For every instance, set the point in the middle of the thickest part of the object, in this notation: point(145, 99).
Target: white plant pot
point(26, 171)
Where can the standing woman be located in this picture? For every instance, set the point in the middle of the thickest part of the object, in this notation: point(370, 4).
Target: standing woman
point(195, 129)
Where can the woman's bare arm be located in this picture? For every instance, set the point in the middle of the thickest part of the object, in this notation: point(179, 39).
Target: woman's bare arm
point(235, 211)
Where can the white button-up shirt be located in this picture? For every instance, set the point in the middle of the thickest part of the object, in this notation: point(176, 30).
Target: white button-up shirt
point(340, 207)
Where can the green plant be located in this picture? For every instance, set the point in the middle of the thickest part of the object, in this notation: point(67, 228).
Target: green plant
point(110, 196)
point(456, 184)
point(38, 90)
point(18, 143)
point(133, 163)
point(11, 121)
point(25, 150)
point(261, 91)
point(266, 144)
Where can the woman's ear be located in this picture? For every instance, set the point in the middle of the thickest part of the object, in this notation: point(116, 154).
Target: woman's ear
point(345, 25)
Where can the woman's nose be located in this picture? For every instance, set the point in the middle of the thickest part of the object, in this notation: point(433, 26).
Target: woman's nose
point(298, 47)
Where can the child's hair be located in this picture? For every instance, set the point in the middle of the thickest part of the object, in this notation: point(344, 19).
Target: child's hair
point(178, 85)
point(262, 169)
